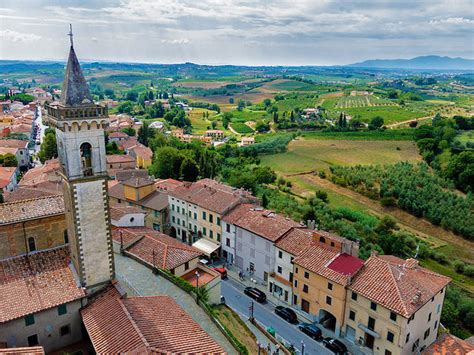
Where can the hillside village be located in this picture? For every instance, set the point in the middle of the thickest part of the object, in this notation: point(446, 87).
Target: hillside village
point(97, 255)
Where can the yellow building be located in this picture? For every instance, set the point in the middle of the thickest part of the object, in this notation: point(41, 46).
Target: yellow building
point(142, 155)
point(141, 192)
point(394, 306)
point(321, 275)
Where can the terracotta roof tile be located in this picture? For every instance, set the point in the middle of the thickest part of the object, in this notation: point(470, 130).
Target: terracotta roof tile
point(318, 257)
point(448, 344)
point(296, 241)
point(33, 350)
point(211, 195)
point(118, 211)
point(130, 173)
point(399, 285)
point(14, 143)
point(138, 181)
point(157, 200)
point(168, 184)
point(257, 220)
point(13, 212)
point(169, 252)
point(25, 193)
point(148, 325)
point(29, 284)
point(119, 158)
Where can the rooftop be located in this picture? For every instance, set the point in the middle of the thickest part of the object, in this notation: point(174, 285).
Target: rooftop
point(168, 184)
point(295, 241)
point(33, 350)
point(156, 200)
point(42, 280)
point(154, 324)
point(142, 242)
point(74, 91)
point(118, 135)
point(119, 158)
point(138, 181)
point(13, 212)
point(118, 211)
point(211, 195)
point(262, 222)
point(399, 285)
point(448, 344)
point(123, 175)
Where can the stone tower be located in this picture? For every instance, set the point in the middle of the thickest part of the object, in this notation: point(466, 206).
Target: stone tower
point(79, 125)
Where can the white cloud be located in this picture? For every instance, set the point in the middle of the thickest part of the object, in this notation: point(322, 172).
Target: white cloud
point(13, 36)
point(175, 41)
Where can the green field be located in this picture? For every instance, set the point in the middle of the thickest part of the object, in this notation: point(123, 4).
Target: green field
point(311, 153)
point(363, 101)
point(302, 101)
point(241, 128)
point(390, 114)
point(465, 137)
point(291, 85)
point(248, 115)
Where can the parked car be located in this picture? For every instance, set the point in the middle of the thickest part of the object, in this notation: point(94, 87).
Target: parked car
point(335, 346)
point(286, 313)
point(256, 294)
point(311, 330)
point(222, 271)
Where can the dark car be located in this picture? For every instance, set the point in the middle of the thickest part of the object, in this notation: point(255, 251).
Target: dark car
point(311, 330)
point(286, 313)
point(222, 271)
point(335, 346)
point(256, 294)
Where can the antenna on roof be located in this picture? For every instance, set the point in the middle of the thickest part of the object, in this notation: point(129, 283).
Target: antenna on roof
point(70, 34)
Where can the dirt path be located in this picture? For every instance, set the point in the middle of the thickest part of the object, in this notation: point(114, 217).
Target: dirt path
point(393, 125)
point(418, 226)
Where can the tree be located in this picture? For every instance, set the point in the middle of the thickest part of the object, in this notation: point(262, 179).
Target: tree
point(125, 107)
point(262, 126)
point(376, 122)
point(129, 131)
point(241, 105)
point(145, 134)
point(167, 163)
point(49, 148)
point(265, 200)
point(214, 124)
point(267, 102)
point(9, 160)
point(226, 119)
point(189, 170)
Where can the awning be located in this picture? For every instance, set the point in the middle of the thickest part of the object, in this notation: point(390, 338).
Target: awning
point(369, 331)
point(206, 246)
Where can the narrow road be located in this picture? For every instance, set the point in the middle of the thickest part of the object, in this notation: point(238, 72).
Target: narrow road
point(263, 313)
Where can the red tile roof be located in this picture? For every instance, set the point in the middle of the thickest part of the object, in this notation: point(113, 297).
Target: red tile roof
point(259, 221)
point(14, 143)
point(169, 252)
point(148, 325)
point(399, 285)
point(30, 284)
point(296, 241)
point(6, 175)
point(13, 212)
point(46, 172)
point(119, 158)
point(346, 264)
point(141, 151)
point(138, 181)
point(118, 211)
point(448, 344)
point(25, 193)
point(211, 195)
point(33, 350)
point(118, 135)
point(168, 184)
point(157, 200)
point(317, 258)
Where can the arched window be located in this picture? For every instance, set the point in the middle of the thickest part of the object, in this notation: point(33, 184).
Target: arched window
point(322, 240)
point(31, 244)
point(86, 159)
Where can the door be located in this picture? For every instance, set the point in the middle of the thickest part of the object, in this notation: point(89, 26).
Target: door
point(350, 334)
point(369, 341)
point(305, 305)
point(286, 296)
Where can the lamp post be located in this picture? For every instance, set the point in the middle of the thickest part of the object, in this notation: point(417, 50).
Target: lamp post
point(197, 279)
point(302, 347)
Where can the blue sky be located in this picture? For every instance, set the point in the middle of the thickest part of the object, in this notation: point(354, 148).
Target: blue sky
point(267, 32)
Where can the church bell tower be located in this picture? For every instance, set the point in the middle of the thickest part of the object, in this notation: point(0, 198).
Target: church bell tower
point(79, 125)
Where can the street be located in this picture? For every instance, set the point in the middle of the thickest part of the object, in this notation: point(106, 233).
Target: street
point(235, 299)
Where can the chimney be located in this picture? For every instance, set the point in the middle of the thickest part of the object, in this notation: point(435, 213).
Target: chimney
point(411, 263)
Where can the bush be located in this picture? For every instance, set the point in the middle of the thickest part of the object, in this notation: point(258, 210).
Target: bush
point(469, 270)
point(388, 201)
point(322, 195)
point(459, 266)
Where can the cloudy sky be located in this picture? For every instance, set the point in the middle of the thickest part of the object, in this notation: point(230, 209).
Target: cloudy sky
point(264, 32)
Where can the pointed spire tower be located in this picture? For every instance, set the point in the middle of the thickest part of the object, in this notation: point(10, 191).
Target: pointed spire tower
point(79, 125)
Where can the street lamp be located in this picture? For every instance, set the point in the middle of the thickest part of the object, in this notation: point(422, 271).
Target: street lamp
point(197, 279)
point(302, 347)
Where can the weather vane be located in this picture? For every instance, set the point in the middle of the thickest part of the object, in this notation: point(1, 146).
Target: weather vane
point(70, 34)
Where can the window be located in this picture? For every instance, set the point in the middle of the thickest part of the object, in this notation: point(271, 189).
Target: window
point(429, 317)
point(373, 306)
point(291, 277)
point(306, 275)
point(156, 213)
point(332, 244)
point(296, 270)
point(390, 336)
point(204, 231)
point(296, 283)
point(156, 227)
point(211, 218)
point(371, 323)
point(388, 352)
point(227, 242)
point(352, 315)
point(172, 207)
point(393, 316)
point(415, 345)
point(354, 296)
point(328, 300)
point(329, 286)
point(186, 265)
point(305, 288)
point(195, 216)
point(407, 339)
point(435, 326)
point(204, 215)
point(227, 227)
point(279, 270)
point(211, 234)
point(427, 333)
point(179, 221)
point(322, 240)
point(33, 340)
point(177, 209)
point(86, 159)
point(31, 244)
point(30, 319)
point(295, 299)
point(64, 330)
point(218, 221)
point(438, 308)
point(66, 237)
point(62, 309)
point(173, 219)
point(218, 237)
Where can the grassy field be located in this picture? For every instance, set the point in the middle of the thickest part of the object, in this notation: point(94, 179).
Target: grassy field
point(302, 101)
point(388, 134)
point(241, 128)
point(201, 124)
point(363, 101)
point(390, 114)
point(465, 137)
point(306, 154)
point(254, 96)
point(289, 85)
point(248, 115)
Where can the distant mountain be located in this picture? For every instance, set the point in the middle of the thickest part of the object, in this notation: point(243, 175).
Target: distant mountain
point(424, 62)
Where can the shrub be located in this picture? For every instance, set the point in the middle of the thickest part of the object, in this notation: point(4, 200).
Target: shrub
point(469, 270)
point(459, 266)
point(388, 201)
point(322, 195)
